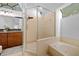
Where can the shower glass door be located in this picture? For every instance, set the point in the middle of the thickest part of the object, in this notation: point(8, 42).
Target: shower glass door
point(31, 32)
point(45, 30)
point(40, 30)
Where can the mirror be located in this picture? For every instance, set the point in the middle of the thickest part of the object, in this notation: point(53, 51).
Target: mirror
point(10, 23)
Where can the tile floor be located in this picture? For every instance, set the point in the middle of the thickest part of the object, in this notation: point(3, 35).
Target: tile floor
point(18, 50)
point(14, 51)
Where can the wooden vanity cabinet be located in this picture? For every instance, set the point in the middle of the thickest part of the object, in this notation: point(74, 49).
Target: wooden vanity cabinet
point(14, 39)
point(3, 40)
point(10, 39)
point(0, 39)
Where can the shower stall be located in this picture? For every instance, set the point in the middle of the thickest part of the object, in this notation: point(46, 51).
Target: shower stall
point(40, 28)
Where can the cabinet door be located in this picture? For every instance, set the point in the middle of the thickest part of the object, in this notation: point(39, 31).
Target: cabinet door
point(3, 40)
point(0, 39)
point(14, 39)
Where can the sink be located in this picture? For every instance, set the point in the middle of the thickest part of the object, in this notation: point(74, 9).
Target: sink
point(3, 30)
point(14, 29)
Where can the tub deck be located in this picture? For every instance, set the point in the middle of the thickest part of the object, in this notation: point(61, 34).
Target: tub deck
point(63, 49)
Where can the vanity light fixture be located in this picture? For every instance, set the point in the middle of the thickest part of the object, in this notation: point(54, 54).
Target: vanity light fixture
point(11, 6)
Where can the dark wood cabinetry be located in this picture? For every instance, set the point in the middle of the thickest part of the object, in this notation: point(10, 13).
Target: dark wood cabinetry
point(10, 39)
point(14, 39)
point(3, 40)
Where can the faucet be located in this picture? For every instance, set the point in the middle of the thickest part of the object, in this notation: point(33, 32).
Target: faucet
point(6, 28)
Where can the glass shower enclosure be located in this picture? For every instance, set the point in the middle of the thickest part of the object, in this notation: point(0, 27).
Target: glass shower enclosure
point(40, 28)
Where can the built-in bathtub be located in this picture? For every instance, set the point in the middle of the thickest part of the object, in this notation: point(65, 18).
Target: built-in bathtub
point(52, 46)
point(63, 49)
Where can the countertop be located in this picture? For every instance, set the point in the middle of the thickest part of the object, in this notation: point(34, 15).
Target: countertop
point(9, 31)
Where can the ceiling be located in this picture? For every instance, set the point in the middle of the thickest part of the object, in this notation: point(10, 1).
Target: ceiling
point(70, 10)
point(43, 8)
point(12, 6)
point(50, 6)
point(16, 6)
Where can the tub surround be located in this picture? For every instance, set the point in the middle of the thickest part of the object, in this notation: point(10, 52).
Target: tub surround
point(71, 41)
point(63, 49)
point(43, 46)
point(55, 47)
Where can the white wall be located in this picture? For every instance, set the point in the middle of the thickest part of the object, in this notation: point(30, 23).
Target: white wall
point(46, 25)
point(58, 22)
point(58, 18)
point(70, 27)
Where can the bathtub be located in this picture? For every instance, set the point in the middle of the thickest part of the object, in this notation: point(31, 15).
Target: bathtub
point(63, 49)
point(52, 46)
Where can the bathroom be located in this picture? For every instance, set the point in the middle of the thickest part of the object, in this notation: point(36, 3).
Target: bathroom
point(39, 29)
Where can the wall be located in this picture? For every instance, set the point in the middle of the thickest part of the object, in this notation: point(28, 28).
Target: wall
point(46, 26)
point(70, 29)
point(58, 22)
